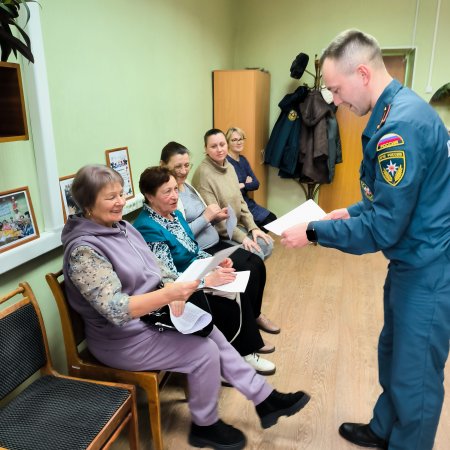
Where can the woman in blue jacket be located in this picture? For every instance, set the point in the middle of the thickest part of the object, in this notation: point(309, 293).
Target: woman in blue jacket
point(247, 179)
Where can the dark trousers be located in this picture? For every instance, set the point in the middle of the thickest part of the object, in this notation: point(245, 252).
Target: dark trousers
point(270, 218)
point(249, 339)
point(245, 260)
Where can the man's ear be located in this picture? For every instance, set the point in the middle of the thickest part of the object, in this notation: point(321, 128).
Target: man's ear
point(364, 72)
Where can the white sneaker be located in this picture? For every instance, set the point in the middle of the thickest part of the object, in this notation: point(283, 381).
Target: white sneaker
point(261, 365)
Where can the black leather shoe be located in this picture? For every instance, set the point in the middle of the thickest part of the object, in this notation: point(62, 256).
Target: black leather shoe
point(219, 436)
point(278, 404)
point(361, 434)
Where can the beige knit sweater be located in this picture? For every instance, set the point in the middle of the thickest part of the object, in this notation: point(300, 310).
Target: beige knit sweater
point(219, 184)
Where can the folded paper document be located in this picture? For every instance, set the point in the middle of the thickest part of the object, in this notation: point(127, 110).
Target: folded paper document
point(200, 267)
point(192, 319)
point(306, 212)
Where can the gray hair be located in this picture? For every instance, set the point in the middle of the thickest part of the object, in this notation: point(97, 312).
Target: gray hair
point(353, 47)
point(89, 181)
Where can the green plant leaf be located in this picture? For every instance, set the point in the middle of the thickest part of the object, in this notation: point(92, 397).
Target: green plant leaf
point(23, 34)
point(16, 44)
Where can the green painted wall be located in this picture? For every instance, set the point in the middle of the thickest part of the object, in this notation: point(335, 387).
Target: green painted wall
point(134, 74)
point(138, 74)
point(273, 33)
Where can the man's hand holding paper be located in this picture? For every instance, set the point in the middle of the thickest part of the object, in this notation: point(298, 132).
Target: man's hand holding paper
point(295, 237)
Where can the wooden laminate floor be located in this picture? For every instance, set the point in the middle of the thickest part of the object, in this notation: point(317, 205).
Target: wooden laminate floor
point(329, 306)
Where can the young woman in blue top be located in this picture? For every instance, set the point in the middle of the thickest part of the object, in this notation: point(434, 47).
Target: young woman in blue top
point(247, 179)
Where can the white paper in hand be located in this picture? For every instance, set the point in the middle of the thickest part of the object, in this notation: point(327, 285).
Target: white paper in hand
point(200, 267)
point(238, 285)
point(306, 212)
point(231, 221)
point(192, 319)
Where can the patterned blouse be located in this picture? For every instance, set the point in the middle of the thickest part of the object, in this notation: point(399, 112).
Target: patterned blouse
point(93, 275)
point(162, 250)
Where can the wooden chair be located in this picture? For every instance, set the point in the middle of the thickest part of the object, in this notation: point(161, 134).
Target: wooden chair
point(53, 411)
point(82, 364)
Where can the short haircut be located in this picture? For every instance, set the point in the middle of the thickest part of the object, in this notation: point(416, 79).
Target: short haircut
point(171, 149)
point(211, 132)
point(89, 181)
point(232, 130)
point(152, 178)
point(351, 48)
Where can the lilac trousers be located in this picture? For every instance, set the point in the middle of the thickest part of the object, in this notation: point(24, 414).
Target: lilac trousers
point(204, 360)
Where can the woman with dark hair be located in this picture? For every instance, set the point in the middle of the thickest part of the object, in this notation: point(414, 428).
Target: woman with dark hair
point(112, 279)
point(169, 237)
point(217, 182)
point(246, 177)
point(201, 218)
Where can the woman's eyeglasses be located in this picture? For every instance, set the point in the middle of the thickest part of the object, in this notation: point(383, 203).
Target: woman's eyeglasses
point(237, 140)
point(180, 167)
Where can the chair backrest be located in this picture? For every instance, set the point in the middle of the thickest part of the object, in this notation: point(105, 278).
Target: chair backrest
point(23, 342)
point(72, 322)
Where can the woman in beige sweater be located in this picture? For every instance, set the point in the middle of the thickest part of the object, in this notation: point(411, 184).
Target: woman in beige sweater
point(217, 182)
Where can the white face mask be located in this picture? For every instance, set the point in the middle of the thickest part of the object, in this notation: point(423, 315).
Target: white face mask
point(327, 95)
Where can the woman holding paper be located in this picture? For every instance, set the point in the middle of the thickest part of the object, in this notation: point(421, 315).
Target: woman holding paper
point(217, 182)
point(169, 237)
point(201, 218)
point(112, 279)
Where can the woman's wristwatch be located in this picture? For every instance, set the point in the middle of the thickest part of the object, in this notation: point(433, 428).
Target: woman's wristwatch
point(311, 232)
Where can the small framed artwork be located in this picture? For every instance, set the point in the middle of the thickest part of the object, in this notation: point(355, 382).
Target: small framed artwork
point(69, 206)
point(17, 221)
point(119, 160)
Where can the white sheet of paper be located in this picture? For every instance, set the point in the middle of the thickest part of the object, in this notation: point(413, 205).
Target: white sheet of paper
point(192, 319)
point(306, 212)
point(200, 267)
point(231, 221)
point(238, 285)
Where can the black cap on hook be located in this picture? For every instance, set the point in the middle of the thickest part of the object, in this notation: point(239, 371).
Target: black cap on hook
point(298, 66)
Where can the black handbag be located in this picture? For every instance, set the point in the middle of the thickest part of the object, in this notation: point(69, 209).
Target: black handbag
point(160, 318)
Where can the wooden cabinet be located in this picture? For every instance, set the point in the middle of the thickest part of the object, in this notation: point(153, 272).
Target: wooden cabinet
point(241, 99)
point(13, 121)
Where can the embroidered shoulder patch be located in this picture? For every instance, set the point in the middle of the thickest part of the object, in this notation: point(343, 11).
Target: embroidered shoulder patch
point(393, 166)
point(389, 140)
point(367, 192)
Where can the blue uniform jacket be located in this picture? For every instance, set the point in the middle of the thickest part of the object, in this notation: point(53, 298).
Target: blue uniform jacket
point(405, 185)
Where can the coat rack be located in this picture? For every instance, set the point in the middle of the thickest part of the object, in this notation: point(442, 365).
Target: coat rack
point(311, 188)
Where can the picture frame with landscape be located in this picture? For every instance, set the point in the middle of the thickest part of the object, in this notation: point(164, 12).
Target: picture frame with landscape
point(68, 203)
point(17, 220)
point(119, 160)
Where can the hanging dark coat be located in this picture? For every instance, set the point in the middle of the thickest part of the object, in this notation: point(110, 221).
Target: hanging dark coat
point(313, 156)
point(283, 146)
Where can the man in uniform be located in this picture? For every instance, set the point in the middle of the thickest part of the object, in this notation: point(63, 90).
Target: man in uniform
point(405, 213)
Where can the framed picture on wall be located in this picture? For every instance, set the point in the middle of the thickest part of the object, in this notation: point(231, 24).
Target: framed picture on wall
point(17, 221)
point(119, 160)
point(69, 206)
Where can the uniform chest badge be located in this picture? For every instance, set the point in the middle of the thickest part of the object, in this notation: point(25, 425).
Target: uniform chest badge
point(292, 115)
point(389, 140)
point(367, 192)
point(393, 166)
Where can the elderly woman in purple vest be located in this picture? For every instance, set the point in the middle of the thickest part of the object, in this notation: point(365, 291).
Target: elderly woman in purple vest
point(112, 279)
point(247, 179)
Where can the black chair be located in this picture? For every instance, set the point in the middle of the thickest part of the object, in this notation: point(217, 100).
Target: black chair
point(53, 411)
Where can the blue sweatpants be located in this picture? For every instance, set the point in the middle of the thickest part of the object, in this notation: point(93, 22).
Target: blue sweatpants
point(412, 353)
